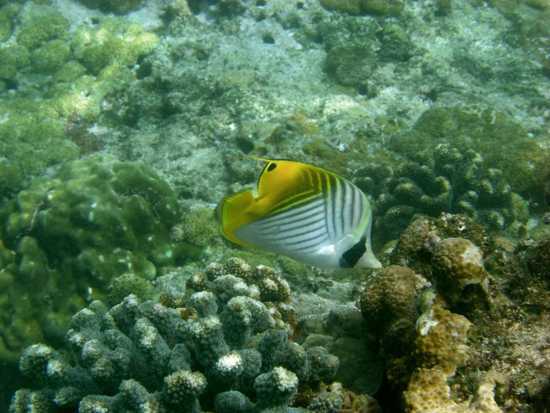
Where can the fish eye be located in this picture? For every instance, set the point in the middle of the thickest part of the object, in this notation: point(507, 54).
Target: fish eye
point(271, 166)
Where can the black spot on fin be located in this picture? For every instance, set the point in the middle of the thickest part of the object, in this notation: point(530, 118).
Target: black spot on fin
point(351, 256)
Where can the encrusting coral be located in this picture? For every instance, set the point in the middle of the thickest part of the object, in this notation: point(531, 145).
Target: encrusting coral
point(441, 347)
point(389, 305)
point(423, 341)
point(469, 340)
point(68, 236)
point(225, 346)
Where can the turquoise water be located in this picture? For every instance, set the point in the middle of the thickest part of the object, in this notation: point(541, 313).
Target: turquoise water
point(124, 124)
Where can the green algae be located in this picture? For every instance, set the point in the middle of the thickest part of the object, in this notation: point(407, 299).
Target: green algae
point(375, 7)
point(12, 59)
point(42, 25)
point(111, 43)
point(33, 136)
point(58, 78)
point(343, 6)
point(50, 57)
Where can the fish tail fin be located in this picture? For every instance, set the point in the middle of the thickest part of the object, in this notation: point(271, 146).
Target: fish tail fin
point(230, 213)
point(368, 260)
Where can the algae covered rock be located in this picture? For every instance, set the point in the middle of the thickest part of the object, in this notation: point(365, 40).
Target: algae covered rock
point(32, 135)
point(350, 65)
point(383, 7)
point(442, 347)
point(112, 42)
point(375, 7)
point(51, 56)
point(389, 305)
point(119, 6)
point(344, 6)
point(449, 252)
point(538, 259)
point(8, 13)
point(441, 339)
point(71, 234)
point(458, 265)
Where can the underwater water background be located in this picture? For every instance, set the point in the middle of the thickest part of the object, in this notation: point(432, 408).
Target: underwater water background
point(124, 123)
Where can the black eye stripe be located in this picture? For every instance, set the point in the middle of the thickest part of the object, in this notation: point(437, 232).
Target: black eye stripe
point(271, 166)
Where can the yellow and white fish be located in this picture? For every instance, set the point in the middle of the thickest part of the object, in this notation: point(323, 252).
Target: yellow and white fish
point(304, 212)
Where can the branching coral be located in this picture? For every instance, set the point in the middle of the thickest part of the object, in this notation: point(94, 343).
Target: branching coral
point(227, 347)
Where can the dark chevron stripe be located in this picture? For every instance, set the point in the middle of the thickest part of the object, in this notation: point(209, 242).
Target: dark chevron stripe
point(333, 198)
point(283, 235)
point(303, 245)
point(283, 216)
point(293, 202)
point(352, 207)
point(288, 225)
point(343, 209)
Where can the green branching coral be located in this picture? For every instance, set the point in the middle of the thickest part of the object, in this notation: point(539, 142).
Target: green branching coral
point(502, 143)
point(442, 179)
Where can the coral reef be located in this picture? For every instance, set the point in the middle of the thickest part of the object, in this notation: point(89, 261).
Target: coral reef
point(445, 251)
point(222, 346)
point(432, 107)
point(68, 236)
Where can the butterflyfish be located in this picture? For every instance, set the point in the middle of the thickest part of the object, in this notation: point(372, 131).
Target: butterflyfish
point(304, 212)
